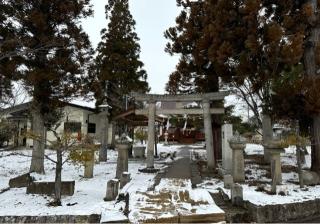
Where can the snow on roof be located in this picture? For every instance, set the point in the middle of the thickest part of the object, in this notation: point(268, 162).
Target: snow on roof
point(84, 102)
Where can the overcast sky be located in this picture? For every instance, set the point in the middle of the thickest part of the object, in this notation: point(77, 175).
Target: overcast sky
point(153, 17)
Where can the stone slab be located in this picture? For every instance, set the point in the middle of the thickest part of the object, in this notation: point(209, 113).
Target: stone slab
point(21, 181)
point(47, 188)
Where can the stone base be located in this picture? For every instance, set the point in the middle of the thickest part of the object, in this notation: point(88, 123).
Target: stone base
point(310, 178)
point(139, 151)
point(21, 181)
point(149, 170)
point(47, 188)
point(112, 190)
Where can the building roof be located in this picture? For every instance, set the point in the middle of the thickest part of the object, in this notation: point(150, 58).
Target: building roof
point(25, 106)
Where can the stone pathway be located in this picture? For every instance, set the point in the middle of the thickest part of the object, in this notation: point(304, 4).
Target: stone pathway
point(181, 166)
point(184, 168)
point(174, 197)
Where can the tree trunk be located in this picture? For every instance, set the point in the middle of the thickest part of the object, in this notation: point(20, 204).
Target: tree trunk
point(315, 145)
point(103, 152)
point(57, 185)
point(312, 69)
point(37, 161)
point(266, 134)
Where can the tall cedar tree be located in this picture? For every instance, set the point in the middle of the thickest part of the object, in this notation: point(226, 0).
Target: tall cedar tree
point(273, 44)
point(297, 88)
point(119, 70)
point(7, 44)
point(194, 72)
point(54, 73)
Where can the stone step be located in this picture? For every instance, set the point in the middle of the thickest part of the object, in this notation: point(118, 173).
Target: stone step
point(233, 214)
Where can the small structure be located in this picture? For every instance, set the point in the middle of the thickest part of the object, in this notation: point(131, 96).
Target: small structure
point(112, 189)
point(274, 148)
point(78, 120)
point(122, 145)
point(237, 145)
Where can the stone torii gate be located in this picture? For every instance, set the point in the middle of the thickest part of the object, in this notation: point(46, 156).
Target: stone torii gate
point(152, 111)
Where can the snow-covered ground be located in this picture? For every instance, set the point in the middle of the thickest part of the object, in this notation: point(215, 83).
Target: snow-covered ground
point(172, 198)
point(292, 191)
point(89, 193)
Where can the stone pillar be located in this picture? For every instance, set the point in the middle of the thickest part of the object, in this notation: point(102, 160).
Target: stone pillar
point(112, 190)
point(166, 138)
point(274, 149)
point(267, 134)
point(103, 152)
point(151, 134)
point(113, 135)
point(227, 133)
point(88, 165)
point(237, 195)
point(208, 134)
point(122, 161)
point(237, 147)
point(228, 181)
point(125, 178)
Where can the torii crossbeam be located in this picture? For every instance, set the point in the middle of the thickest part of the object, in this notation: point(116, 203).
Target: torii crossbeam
point(151, 112)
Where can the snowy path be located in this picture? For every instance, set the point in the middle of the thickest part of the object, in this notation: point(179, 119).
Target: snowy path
point(181, 167)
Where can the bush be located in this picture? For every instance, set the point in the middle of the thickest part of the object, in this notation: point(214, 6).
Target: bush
point(141, 135)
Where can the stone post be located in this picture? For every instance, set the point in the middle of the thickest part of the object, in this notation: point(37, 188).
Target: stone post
point(166, 138)
point(88, 165)
point(125, 178)
point(112, 190)
point(237, 145)
point(267, 134)
point(275, 149)
point(139, 151)
point(208, 134)
point(237, 195)
point(113, 134)
point(104, 137)
point(122, 161)
point(227, 134)
point(228, 181)
point(151, 134)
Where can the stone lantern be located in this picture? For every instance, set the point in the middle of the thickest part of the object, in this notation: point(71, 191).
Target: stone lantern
point(275, 149)
point(237, 144)
point(122, 145)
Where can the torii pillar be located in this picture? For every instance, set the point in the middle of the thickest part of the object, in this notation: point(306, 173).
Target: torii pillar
point(151, 134)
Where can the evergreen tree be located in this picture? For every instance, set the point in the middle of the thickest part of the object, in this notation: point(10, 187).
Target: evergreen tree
point(7, 44)
point(273, 45)
point(119, 70)
point(194, 72)
point(54, 72)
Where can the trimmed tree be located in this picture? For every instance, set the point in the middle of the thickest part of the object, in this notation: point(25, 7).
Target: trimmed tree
point(54, 73)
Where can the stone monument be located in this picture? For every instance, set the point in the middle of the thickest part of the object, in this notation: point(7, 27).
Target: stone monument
point(122, 145)
point(237, 145)
point(274, 148)
point(227, 134)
